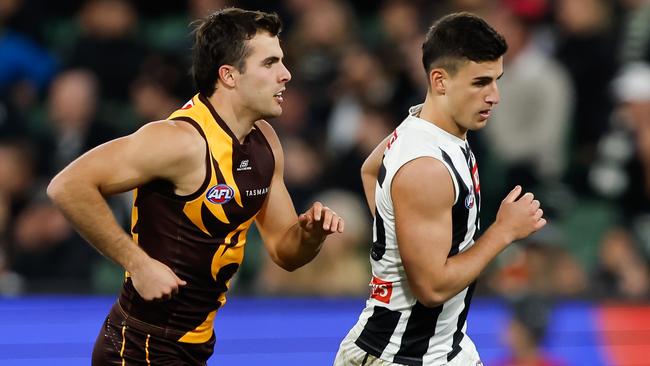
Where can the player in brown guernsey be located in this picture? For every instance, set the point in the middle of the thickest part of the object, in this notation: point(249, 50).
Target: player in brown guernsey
point(201, 178)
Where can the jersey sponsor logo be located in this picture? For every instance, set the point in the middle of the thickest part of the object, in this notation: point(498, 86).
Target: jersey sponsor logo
point(469, 201)
point(257, 192)
point(243, 165)
point(381, 290)
point(220, 194)
point(188, 105)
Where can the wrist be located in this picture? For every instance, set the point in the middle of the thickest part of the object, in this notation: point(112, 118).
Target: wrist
point(309, 238)
point(135, 260)
point(312, 240)
point(501, 234)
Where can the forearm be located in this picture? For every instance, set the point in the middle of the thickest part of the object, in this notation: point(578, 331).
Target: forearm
point(87, 210)
point(296, 248)
point(462, 269)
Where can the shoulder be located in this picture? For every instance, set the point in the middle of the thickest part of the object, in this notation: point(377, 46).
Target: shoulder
point(170, 130)
point(411, 135)
point(176, 140)
point(425, 179)
point(270, 135)
point(410, 144)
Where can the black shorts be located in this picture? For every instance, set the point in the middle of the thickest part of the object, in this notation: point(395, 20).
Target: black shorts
point(127, 341)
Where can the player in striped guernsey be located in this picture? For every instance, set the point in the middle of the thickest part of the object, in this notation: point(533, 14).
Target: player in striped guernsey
point(200, 179)
point(422, 185)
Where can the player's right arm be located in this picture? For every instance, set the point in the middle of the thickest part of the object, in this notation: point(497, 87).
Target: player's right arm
point(164, 150)
point(423, 223)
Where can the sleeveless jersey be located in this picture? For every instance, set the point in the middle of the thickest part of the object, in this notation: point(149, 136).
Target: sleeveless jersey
point(200, 236)
point(394, 325)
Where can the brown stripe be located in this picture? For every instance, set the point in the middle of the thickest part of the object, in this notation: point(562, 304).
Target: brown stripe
point(208, 171)
point(126, 320)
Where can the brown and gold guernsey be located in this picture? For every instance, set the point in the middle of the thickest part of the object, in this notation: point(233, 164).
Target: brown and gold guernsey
point(201, 236)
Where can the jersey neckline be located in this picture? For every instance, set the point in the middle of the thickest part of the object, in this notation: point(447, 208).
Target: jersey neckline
point(432, 127)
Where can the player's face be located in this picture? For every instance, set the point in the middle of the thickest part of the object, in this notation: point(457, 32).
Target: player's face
point(264, 77)
point(473, 92)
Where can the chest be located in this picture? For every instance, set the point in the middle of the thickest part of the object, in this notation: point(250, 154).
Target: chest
point(240, 177)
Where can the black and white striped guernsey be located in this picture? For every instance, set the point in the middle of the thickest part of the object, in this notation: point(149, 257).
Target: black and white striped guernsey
point(394, 326)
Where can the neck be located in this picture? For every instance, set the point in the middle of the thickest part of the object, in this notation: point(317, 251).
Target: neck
point(239, 119)
point(434, 110)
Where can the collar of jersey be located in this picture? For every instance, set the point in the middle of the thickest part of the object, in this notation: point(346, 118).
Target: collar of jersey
point(430, 126)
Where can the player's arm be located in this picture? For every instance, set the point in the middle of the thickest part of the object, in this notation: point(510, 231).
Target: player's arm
point(291, 240)
point(370, 171)
point(424, 231)
point(158, 150)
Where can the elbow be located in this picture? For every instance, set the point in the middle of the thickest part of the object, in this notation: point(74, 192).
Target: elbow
point(55, 188)
point(288, 267)
point(365, 169)
point(432, 298)
point(282, 262)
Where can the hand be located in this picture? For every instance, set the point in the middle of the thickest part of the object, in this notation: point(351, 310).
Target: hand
point(519, 217)
point(155, 281)
point(320, 221)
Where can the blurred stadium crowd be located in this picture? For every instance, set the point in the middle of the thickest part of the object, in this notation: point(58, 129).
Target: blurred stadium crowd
point(573, 126)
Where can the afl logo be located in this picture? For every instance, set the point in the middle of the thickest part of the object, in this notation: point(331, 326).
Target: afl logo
point(220, 194)
point(469, 201)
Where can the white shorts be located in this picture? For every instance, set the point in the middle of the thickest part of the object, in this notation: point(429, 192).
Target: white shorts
point(350, 354)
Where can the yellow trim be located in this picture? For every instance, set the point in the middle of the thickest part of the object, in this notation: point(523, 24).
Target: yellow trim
point(123, 343)
point(193, 211)
point(202, 333)
point(146, 349)
point(224, 157)
point(134, 216)
point(221, 145)
point(216, 259)
point(134, 220)
point(188, 112)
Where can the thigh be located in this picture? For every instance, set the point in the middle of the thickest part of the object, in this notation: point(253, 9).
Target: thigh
point(117, 344)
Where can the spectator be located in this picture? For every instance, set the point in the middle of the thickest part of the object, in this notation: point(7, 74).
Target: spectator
point(587, 46)
point(72, 120)
point(526, 333)
point(621, 272)
point(632, 89)
point(108, 47)
point(340, 268)
point(159, 88)
point(529, 130)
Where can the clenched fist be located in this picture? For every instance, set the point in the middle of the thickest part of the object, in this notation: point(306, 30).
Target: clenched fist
point(518, 216)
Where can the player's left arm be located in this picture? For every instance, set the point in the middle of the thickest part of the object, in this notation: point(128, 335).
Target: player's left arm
point(370, 172)
point(291, 240)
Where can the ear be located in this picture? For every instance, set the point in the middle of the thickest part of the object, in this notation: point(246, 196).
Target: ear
point(227, 75)
point(438, 80)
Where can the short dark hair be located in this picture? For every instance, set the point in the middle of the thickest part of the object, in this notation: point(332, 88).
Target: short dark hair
point(220, 39)
point(460, 37)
